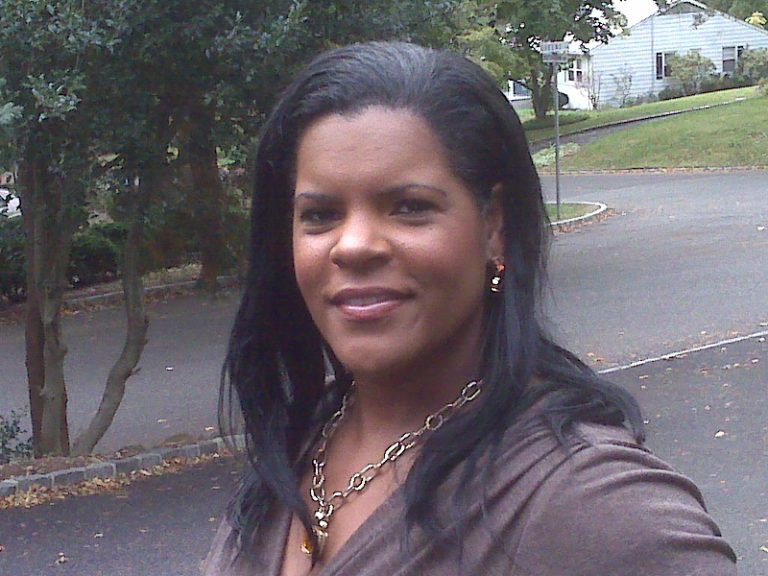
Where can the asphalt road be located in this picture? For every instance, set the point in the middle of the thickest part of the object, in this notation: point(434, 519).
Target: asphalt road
point(706, 417)
point(705, 412)
point(159, 526)
point(684, 262)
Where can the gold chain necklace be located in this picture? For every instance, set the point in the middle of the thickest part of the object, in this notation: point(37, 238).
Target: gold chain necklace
point(359, 480)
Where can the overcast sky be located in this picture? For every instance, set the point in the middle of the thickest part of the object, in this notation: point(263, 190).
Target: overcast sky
point(636, 10)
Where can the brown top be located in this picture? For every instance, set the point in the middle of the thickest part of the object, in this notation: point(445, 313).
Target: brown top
point(610, 509)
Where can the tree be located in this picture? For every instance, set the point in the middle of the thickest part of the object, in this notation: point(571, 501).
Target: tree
point(754, 64)
point(690, 70)
point(48, 52)
point(131, 91)
point(757, 19)
point(623, 82)
point(228, 86)
point(594, 88)
point(741, 9)
point(522, 26)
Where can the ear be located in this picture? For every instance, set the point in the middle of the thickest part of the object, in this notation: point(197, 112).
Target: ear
point(493, 214)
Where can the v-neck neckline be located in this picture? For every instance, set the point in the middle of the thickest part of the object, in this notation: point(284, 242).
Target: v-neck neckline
point(355, 541)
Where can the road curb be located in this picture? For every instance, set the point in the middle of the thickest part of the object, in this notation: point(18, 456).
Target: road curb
point(599, 209)
point(118, 467)
point(116, 296)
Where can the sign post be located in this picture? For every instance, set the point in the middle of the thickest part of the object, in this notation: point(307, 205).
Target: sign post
point(556, 53)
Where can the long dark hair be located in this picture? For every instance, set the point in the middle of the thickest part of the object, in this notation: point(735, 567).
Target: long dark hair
point(275, 371)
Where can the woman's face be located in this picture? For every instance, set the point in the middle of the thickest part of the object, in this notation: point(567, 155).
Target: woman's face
point(390, 247)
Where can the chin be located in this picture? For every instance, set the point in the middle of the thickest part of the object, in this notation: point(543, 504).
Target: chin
point(375, 362)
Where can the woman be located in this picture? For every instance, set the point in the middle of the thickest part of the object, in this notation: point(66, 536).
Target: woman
point(404, 411)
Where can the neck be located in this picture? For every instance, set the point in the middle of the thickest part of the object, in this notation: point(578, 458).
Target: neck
point(400, 402)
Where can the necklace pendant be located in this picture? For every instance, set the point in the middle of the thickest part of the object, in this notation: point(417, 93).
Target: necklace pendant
point(308, 546)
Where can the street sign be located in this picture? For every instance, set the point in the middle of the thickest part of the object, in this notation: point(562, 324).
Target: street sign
point(555, 58)
point(554, 47)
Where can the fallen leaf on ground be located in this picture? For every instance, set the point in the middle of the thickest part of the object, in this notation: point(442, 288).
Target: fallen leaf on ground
point(39, 495)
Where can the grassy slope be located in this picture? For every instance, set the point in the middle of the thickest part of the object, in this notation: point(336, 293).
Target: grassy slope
point(735, 135)
point(599, 118)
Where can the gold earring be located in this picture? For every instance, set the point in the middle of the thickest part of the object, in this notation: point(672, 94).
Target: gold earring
point(497, 280)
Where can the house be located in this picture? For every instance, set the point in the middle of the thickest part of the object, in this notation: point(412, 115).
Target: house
point(636, 62)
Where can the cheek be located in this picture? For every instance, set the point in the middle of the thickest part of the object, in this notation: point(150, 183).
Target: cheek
point(457, 266)
point(307, 267)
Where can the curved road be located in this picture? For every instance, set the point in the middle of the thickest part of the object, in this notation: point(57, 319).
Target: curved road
point(684, 262)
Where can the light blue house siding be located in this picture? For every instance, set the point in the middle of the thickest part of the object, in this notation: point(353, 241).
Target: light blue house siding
point(642, 52)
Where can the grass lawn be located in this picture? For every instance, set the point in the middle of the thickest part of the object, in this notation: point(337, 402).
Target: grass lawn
point(735, 135)
point(601, 117)
point(568, 210)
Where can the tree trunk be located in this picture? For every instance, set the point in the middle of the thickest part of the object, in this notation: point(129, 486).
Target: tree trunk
point(540, 85)
point(33, 329)
point(49, 228)
point(54, 428)
point(207, 195)
point(136, 332)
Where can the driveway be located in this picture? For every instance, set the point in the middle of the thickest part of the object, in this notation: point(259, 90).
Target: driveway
point(684, 262)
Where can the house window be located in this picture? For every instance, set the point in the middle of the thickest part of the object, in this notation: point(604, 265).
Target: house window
point(576, 71)
point(731, 56)
point(663, 69)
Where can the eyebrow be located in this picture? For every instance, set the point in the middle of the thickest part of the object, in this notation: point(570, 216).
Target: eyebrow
point(391, 191)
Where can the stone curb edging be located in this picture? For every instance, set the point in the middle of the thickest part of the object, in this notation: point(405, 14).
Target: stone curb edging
point(116, 296)
point(599, 209)
point(115, 468)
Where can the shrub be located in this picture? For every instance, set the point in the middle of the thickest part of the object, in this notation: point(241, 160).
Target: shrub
point(95, 254)
point(12, 272)
point(670, 92)
point(754, 64)
point(690, 70)
point(762, 87)
point(11, 444)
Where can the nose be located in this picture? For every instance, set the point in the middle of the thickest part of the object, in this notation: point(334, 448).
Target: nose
point(361, 243)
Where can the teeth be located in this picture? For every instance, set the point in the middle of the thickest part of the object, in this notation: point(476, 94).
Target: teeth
point(368, 301)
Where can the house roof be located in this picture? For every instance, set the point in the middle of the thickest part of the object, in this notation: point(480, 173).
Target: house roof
point(676, 3)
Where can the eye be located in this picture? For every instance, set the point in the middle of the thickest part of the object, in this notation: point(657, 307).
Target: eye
point(413, 207)
point(318, 217)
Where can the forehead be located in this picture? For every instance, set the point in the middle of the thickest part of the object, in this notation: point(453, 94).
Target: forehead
point(375, 142)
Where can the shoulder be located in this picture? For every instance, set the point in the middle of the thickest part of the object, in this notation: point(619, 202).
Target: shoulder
point(609, 506)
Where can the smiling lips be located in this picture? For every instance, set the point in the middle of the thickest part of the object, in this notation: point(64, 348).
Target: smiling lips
point(366, 304)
